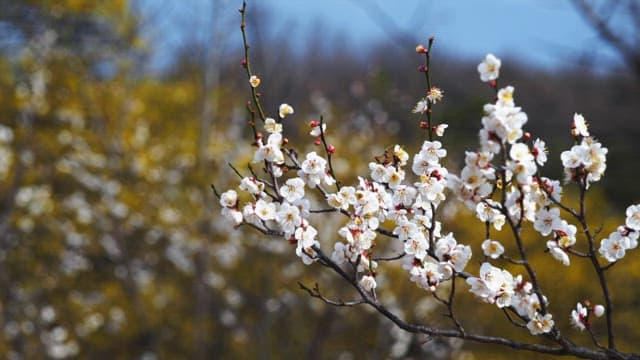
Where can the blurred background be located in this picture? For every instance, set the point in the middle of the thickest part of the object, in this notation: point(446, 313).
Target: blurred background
point(116, 116)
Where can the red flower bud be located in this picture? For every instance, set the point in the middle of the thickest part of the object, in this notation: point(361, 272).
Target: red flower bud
point(331, 149)
point(422, 68)
point(526, 136)
point(424, 125)
point(313, 123)
point(317, 141)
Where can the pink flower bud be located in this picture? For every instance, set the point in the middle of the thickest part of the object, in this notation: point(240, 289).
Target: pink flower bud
point(331, 149)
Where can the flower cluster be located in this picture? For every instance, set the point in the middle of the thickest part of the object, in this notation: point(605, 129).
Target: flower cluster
point(624, 238)
point(497, 286)
point(500, 183)
point(580, 315)
point(585, 161)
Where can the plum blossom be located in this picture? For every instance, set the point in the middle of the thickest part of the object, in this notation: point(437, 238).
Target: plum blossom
point(315, 129)
point(579, 317)
point(489, 68)
point(252, 186)
point(271, 126)
point(439, 129)
point(558, 252)
point(233, 215)
point(434, 95)
point(271, 151)
point(493, 286)
point(429, 275)
point(368, 283)
point(487, 212)
point(547, 220)
point(265, 210)
point(254, 81)
point(284, 110)
point(633, 217)
point(293, 189)
point(539, 151)
point(400, 154)
point(540, 324)
point(492, 248)
point(288, 217)
point(579, 127)
point(449, 251)
point(614, 247)
point(421, 106)
point(308, 254)
point(416, 245)
point(313, 170)
point(229, 198)
point(589, 155)
point(306, 236)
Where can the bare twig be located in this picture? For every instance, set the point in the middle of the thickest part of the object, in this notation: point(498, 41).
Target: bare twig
point(315, 292)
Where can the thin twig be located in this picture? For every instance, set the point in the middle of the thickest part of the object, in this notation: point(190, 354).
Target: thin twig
point(329, 154)
point(315, 292)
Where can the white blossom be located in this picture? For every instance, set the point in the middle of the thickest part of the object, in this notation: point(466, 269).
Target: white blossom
point(492, 248)
point(368, 283)
point(540, 324)
point(489, 68)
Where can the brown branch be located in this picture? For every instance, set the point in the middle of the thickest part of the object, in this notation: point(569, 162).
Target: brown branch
point(329, 153)
point(567, 348)
point(390, 258)
point(582, 218)
point(247, 63)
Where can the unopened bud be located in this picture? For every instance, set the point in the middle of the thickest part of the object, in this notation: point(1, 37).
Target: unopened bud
point(424, 125)
point(244, 63)
point(259, 135)
point(331, 149)
point(313, 123)
point(317, 141)
point(526, 136)
point(285, 141)
point(493, 83)
point(420, 49)
point(598, 310)
point(422, 68)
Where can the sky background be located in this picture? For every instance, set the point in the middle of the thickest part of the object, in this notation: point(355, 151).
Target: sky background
point(546, 34)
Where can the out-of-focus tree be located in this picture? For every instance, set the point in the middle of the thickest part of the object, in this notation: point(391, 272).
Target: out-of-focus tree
point(617, 22)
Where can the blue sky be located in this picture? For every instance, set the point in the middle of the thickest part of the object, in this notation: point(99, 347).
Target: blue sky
point(541, 33)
